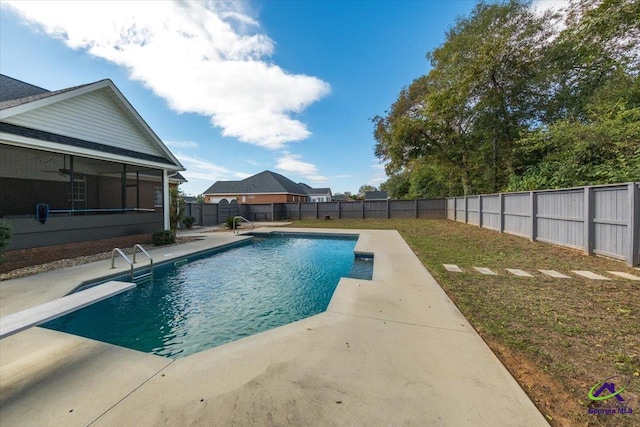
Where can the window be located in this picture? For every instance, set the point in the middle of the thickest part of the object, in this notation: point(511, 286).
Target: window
point(80, 192)
point(158, 196)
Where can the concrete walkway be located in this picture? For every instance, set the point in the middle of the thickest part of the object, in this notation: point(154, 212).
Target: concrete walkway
point(391, 351)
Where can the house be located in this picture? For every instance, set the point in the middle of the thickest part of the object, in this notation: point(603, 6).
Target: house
point(317, 194)
point(375, 195)
point(79, 164)
point(341, 198)
point(265, 187)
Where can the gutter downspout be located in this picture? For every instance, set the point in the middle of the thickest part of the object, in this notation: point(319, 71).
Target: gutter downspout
point(165, 200)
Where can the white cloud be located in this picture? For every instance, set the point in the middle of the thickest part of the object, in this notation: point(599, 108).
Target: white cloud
point(542, 6)
point(202, 174)
point(291, 163)
point(181, 144)
point(379, 176)
point(204, 57)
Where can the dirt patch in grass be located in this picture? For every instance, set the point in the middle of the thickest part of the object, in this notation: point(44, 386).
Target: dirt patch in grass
point(558, 337)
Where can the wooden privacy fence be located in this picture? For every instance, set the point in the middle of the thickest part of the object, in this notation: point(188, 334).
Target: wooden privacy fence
point(208, 214)
point(603, 220)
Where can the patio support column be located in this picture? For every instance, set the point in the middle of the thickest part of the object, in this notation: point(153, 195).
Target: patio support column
point(137, 189)
point(71, 184)
point(165, 200)
point(124, 187)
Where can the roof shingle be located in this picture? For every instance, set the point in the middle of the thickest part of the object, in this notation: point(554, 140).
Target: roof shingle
point(264, 182)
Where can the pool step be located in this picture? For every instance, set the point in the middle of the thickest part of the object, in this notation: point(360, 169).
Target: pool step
point(143, 278)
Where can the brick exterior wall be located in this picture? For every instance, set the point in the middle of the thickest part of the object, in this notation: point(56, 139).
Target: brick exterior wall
point(261, 198)
point(34, 256)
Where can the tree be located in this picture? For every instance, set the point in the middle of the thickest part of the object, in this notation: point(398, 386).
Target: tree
point(475, 102)
point(176, 208)
point(364, 188)
point(514, 101)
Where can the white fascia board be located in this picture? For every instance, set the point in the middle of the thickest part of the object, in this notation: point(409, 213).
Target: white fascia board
point(36, 144)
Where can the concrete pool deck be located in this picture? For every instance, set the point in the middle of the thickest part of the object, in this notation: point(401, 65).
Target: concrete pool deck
point(391, 351)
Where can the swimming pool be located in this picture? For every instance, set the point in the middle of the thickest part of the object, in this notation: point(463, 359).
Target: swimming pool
point(213, 298)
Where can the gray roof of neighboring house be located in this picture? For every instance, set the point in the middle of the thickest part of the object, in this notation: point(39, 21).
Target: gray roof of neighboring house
point(312, 191)
point(264, 182)
point(318, 191)
point(375, 195)
point(341, 198)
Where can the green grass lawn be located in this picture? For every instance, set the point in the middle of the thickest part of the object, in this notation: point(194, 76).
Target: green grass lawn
point(558, 337)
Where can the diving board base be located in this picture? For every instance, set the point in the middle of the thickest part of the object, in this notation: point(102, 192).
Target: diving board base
point(34, 316)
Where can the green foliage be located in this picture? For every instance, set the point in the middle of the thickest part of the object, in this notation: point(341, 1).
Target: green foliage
point(571, 153)
point(229, 222)
point(5, 236)
point(176, 208)
point(188, 221)
point(514, 101)
point(364, 188)
point(163, 237)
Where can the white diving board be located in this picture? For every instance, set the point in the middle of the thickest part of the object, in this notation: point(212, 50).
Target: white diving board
point(34, 316)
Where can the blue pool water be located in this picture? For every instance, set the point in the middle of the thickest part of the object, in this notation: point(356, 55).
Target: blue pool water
point(196, 305)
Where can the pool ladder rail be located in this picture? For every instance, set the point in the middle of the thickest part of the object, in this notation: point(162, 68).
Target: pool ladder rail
point(135, 248)
point(241, 218)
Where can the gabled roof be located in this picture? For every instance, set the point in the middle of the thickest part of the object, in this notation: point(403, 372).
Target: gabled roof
point(18, 97)
point(15, 92)
point(375, 195)
point(323, 190)
point(264, 182)
point(16, 89)
point(314, 191)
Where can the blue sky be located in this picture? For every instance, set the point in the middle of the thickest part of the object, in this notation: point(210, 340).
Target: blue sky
point(234, 88)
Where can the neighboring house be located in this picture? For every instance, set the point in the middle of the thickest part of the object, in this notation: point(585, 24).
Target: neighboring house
point(341, 198)
point(86, 158)
point(265, 187)
point(375, 195)
point(317, 194)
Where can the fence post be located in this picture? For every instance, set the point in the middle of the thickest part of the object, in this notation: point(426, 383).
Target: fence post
point(588, 220)
point(466, 210)
point(299, 213)
point(338, 209)
point(317, 216)
point(362, 207)
point(480, 211)
point(388, 213)
point(273, 211)
point(501, 213)
point(633, 229)
point(534, 215)
point(416, 207)
point(202, 213)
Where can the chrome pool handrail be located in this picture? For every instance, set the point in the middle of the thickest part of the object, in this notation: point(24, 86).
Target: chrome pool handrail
point(124, 256)
point(240, 217)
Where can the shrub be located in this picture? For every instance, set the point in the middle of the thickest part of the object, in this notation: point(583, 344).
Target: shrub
point(229, 222)
point(163, 237)
point(188, 221)
point(5, 236)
